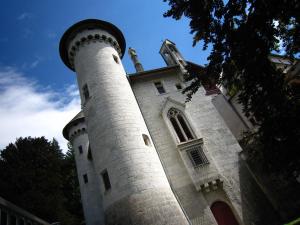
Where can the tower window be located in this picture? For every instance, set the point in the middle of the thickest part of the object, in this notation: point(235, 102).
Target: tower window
point(89, 155)
point(147, 140)
point(85, 91)
point(116, 58)
point(180, 125)
point(178, 86)
point(85, 178)
point(160, 88)
point(106, 180)
point(80, 149)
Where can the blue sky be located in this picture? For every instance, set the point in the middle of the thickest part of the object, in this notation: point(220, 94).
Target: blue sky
point(38, 93)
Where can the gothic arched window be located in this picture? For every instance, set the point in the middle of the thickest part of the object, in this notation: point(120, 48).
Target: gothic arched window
point(180, 125)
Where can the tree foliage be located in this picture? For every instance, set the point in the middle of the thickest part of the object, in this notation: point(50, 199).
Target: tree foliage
point(38, 177)
point(242, 34)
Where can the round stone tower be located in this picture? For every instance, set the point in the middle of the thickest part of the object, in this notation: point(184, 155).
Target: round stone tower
point(133, 184)
point(91, 198)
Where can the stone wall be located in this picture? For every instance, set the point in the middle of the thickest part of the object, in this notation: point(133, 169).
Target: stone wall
point(220, 147)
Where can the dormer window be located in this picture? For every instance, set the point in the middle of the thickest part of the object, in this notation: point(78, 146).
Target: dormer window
point(180, 125)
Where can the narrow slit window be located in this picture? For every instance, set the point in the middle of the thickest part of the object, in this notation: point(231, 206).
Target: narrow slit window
point(160, 88)
point(85, 178)
point(106, 180)
point(116, 58)
point(80, 149)
point(85, 91)
point(89, 155)
point(146, 140)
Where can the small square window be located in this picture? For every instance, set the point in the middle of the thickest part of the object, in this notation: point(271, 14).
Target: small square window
point(80, 149)
point(85, 178)
point(106, 180)
point(178, 86)
point(85, 91)
point(159, 87)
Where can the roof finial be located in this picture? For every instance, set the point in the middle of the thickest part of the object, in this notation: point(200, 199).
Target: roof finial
point(138, 66)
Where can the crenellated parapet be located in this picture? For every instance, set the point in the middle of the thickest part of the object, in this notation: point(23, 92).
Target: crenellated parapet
point(77, 132)
point(88, 32)
point(91, 37)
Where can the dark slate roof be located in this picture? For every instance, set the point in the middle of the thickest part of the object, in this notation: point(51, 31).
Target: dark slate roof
point(83, 25)
point(77, 119)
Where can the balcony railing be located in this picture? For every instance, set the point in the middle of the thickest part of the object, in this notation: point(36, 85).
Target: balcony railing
point(11, 214)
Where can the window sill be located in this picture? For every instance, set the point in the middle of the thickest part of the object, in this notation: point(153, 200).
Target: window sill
point(183, 145)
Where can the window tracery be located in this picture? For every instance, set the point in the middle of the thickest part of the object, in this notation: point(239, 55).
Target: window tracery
point(180, 125)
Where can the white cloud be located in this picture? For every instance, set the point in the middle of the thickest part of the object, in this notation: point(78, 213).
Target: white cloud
point(29, 110)
point(25, 15)
point(36, 62)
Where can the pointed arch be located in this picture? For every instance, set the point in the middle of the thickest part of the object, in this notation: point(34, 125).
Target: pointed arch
point(223, 213)
point(180, 125)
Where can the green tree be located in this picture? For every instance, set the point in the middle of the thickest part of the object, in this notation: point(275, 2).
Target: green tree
point(34, 174)
point(242, 34)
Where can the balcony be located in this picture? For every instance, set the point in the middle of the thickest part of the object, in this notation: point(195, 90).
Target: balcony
point(200, 167)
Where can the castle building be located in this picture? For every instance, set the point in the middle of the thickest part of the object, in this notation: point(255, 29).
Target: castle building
point(143, 154)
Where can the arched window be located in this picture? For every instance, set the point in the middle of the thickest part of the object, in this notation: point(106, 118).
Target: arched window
point(223, 214)
point(180, 125)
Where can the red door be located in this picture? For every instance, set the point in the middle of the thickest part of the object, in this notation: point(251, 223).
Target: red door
point(223, 214)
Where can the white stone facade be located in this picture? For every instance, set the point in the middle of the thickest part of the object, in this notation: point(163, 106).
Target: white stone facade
point(142, 171)
point(220, 147)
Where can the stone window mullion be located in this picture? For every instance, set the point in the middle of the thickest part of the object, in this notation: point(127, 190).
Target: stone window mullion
point(180, 127)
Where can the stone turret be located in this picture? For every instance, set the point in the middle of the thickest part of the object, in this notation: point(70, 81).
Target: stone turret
point(75, 132)
point(138, 66)
point(134, 187)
